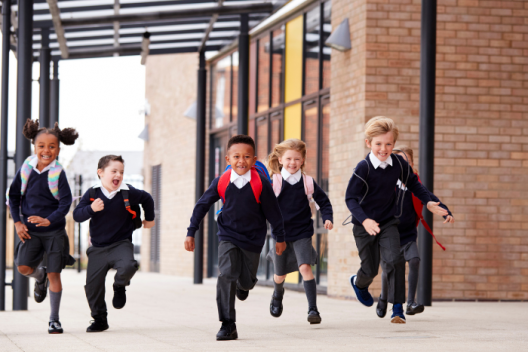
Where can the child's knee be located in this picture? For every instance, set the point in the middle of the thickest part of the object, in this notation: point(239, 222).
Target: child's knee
point(306, 271)
point(279, 278)
point(25, 270)
point(54, 277)
point(130, 268)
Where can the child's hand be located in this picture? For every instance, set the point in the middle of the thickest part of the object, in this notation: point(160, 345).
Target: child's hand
point(148, 224)
point(280, 247)
point(435, 208)
point(449, 218)
point(371, 227)
point(189, 243)
point(97, 205)
point(38, 220)
point(328, 225)
point(22, 231)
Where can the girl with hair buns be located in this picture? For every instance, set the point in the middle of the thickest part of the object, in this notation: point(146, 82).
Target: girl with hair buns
point(295, 191)
point(39, 199)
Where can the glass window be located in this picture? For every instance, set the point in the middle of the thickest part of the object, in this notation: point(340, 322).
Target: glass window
point(221, 93)
point(327, 51)
point(263, 73)
point(262, 138)
point(311, 132)
point(277, 71)
point(311, 53)
point(234, 87)
point(276, 133)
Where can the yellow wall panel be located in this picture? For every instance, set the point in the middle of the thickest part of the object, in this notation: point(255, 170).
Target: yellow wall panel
point(294, 54)
point(292, 121)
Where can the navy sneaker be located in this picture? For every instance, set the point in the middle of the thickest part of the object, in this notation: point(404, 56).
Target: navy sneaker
point(397, 314)
point(362, 294)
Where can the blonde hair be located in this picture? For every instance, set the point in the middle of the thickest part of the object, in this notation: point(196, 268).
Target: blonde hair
point(379, 125)
point(408, 151)
point(274, 167)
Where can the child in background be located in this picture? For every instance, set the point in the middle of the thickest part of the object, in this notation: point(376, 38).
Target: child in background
point(248, 201)
point(39, 200)
point(371, 199)
point(295, 191)
point(408, 235)
point(109, 205)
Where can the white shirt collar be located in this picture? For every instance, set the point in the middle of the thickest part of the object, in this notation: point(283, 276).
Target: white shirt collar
point(376, 162)
point(107, 194)
point(33, 162)
point(292, 179)
point(246, 176)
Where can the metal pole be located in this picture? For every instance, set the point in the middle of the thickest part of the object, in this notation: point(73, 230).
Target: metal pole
point(44, 80)
point(23, 150)
point(243, 75)
point(6, 24)
point(54, 94)
point(200, 163)
point(79, 229)
point(427, 132)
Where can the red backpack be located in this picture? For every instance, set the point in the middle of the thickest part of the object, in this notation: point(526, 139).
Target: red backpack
point(418, 208)
point(256, 182)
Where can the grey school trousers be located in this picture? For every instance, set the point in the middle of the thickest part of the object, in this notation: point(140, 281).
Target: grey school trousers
point(118, 256)
point(238, 268)
point(384, 246)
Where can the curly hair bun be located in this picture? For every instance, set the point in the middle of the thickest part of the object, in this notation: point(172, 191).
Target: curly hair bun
point(68, 136)
point(31, 129)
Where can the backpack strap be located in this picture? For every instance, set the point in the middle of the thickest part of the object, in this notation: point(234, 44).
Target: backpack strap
point(256, 184)
point(277, 184)
point(124, 192)
point(418, 208)
point(25, 171)
point(92, 194)
point(223, 182)
point(309, 189)
point(53, 179)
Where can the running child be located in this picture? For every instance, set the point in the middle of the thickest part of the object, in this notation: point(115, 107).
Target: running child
point(113, 208)
point(412, 211)
point(372, 200)
point(295, 191)
point(248, 201)
point(39, 200)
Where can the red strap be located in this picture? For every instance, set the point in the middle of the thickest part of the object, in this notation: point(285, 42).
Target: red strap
point(418, 208)
point(131, 212)
point(223, 182)
point(256, 184)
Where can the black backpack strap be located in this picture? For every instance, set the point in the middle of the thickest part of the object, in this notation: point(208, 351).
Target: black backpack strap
point(124, 192)
point(92, 194)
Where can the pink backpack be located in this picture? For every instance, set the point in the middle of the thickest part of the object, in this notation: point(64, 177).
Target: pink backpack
point(308, 187)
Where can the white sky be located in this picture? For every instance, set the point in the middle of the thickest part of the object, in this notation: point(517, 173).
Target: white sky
point(102, 98)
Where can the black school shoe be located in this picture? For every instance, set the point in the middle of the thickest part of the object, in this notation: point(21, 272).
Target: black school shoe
point(313, 316)
point(381, 308)
point(227, 332)
point(41, 289)
point(119, 299)
point(241, 294)
point(414, 308)
point(98, 325)
point(55, 327)
point(276, 305)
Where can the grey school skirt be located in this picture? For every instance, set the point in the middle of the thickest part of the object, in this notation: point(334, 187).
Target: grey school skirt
point(297, 253)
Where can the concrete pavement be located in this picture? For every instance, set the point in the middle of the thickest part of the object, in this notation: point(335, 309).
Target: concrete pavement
point(166, 313)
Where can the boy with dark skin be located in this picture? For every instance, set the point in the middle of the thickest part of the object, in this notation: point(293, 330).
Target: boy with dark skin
point(241, 229)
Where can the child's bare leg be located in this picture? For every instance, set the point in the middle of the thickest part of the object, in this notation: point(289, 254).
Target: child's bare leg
point(279, 279)
point(55, 282)
point(38, 274)
point(25, 270)
point(278, 283)
point(306, 272)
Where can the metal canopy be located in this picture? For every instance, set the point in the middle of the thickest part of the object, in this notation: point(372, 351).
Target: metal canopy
point(99, 28)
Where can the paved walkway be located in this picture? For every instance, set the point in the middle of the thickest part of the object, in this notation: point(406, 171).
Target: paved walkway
point(165, 313)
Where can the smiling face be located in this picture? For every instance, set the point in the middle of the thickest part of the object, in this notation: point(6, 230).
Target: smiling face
point(241, 157)
point(112, 175)
point(47, 149)
point(382, 145)
point(291, 160)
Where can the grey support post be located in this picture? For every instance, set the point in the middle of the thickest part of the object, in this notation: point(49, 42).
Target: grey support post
point(243, 75)
point(44, 80)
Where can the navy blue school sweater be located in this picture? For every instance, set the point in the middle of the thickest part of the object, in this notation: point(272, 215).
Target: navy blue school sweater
point(407, 226)
point(295, 209)
point(39, 201)
point(380, 202)
point(113, 223)
point(242, 220)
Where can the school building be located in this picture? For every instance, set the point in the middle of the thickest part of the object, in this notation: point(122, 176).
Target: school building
point(301, 88)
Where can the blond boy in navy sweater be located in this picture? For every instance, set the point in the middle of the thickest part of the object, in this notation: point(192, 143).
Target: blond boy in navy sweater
point(241, 228)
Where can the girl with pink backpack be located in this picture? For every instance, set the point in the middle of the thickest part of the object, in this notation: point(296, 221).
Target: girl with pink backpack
point(295, 191)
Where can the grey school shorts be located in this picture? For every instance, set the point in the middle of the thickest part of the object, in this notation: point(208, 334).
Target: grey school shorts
point(410, 251)
point(297, 253)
